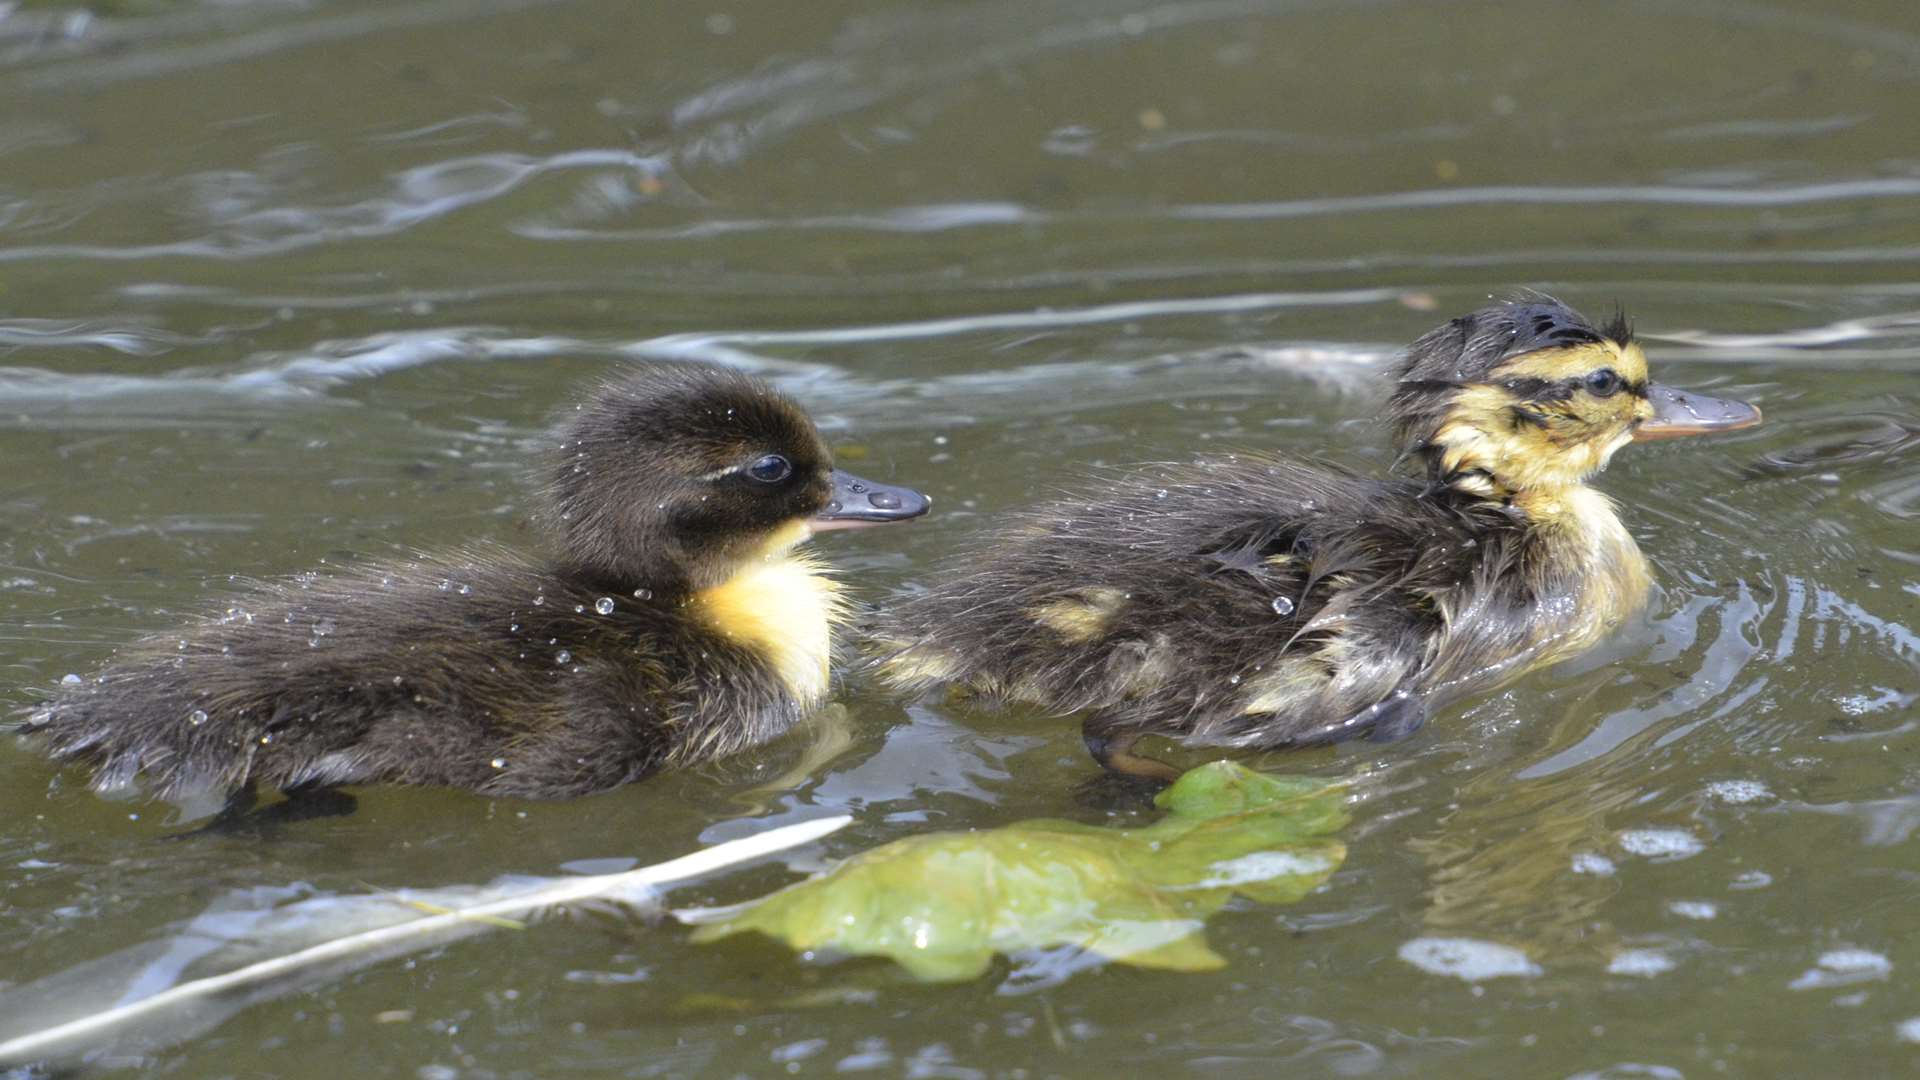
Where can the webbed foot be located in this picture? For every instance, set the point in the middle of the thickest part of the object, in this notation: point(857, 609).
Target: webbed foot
point(1114, 752)
point(241, 816)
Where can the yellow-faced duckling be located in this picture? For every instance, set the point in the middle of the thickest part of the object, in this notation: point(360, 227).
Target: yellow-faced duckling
point(1253, 602)
point(675, 623)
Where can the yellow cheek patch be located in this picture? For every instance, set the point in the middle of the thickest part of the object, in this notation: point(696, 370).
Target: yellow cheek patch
point(1483, 431)
point(1083, 618)
point(792, 534)
point(784, 607)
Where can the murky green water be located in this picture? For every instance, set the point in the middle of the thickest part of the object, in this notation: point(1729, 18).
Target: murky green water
point(285, 282)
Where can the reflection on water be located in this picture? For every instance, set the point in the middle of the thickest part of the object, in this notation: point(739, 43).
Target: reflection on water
point(288, 282)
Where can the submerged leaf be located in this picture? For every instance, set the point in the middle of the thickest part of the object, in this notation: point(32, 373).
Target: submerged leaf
point(942, 905)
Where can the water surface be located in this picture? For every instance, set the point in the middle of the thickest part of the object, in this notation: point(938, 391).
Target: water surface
point(290, 282)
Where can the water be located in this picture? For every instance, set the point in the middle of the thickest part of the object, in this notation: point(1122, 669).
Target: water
point(288, 284)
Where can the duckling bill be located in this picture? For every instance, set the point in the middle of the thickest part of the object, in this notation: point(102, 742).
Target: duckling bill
point(1255, 602)
point(676, 621)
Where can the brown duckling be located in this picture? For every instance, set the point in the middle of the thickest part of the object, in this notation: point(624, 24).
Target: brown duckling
point(1253, 602)
point(676, 623)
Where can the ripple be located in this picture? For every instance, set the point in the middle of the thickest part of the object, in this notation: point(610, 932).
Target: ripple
point(55, 334)
point(245, 229)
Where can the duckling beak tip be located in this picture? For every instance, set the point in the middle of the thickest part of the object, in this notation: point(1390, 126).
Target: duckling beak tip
point(1681, 412)
point(859, 503)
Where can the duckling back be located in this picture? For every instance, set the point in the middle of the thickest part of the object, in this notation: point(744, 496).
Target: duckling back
point(485, 673)
point(1247, 601)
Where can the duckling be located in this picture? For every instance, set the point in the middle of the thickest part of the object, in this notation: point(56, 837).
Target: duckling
point(676, 622)
point(1253, 602)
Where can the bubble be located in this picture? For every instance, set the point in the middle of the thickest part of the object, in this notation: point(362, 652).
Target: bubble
point(70, 679)
point(498, 763)
point(1661, 843)
point(1843, 967)
point(643, 594)
point(197, 717)
point(604, 605)
point(563, 657)
point(1586, 862)
point(1282, 606)
point(1467, 958)
point(1739, 791)
point(1643, 962)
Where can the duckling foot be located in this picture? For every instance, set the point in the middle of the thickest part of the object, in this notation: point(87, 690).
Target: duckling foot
point(1115, 753)
point(241, 817)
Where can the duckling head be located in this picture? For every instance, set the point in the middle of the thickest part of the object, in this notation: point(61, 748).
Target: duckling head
point(677, 476)
point(1528, 396)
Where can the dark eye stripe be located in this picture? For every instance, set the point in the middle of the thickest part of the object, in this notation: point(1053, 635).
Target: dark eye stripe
point(1551, 390)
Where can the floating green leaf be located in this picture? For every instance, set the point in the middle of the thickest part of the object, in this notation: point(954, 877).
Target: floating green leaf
point(943, 904)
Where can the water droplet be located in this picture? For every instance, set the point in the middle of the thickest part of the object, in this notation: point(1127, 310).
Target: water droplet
point(563, 657)
point(1233, 680)
point(266, 740)
point(1161, 494)
point(398, 680)
point(1282, 606)
point(579, 609)
point(513, 628)
point(604, 605)
point(70, 679)
point(498, 763)
point(323, 627)
point(643, 594)
point(445, 584)
point(538, 599)
point(466, 590)
point(197, 717)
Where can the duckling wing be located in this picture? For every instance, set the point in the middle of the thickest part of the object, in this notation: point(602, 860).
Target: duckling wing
point(1240, 601)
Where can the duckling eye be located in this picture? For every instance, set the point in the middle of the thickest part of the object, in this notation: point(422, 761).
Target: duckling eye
point(770, 469)
point(1603, 383)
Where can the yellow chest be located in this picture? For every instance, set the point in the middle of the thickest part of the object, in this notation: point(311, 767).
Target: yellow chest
point(1599, 556)
point(784, 608)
